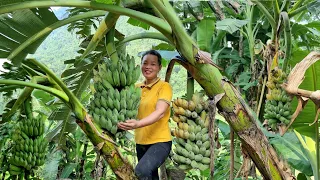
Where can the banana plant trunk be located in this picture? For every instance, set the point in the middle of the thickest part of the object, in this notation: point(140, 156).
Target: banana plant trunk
point(231, 106)
point(107, 148)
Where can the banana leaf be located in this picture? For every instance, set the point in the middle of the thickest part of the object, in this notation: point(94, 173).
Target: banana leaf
point(292, 151)
point(205, 31)
point(18, 26)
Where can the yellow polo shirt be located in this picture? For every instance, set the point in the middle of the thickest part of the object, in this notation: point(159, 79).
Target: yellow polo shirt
point(150, 95)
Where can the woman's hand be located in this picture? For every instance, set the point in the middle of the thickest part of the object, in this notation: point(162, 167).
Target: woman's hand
point(129, 124)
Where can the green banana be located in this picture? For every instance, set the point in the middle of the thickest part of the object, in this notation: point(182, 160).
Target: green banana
point(108, 76)
point(116, 78)
point(131, 64)
point(136, 73)
point(129, 77)
point(117, 104)
point(123, 79)
point(125, 67)
point(117, 95)
point(123, 103)
point(106, 84)
point(110, 102)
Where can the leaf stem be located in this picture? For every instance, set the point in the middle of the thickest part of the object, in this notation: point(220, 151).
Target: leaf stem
point(76, 105)
point(53, 91)
point(155, 22)
point(105, 26)
point(276, 10)
point(151, 35)
point(296, 5)
point(52, 27)
point(24, 95)
point(300, 9)
point(181, 39)
point(266, 13)
point(287, 37)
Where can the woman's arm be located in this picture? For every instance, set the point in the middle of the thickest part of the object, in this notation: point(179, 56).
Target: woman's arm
point(161, 108)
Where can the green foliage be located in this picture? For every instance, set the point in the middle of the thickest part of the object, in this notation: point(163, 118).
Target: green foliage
point(205, 30)
point(291, 150)
point(22, 73)
point(138, 23)
point(231, 25)
point(105, 1)
point(245, 82)
point(83, 28)
point(50, 169)
point(68, 170)
point(24, 28)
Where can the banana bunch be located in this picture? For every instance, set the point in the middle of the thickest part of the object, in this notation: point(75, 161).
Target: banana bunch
point(119, 75)
point(32, 127)
point(30, 146)
point(111, 106)
point(278, 103)
point(192, 148)
point(116, 98)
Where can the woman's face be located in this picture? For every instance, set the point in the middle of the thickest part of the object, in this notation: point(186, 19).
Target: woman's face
point(150, 66)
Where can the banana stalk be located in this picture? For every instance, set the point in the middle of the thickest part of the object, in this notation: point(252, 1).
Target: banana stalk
point(181, 39)
point(287, 37)
point(105, 26)
point(111, 49)
point(276, 10)
point(190, 86)
point(27, 107)
point(121, 167)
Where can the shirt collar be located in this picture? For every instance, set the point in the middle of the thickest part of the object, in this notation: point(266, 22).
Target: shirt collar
point(142, 85)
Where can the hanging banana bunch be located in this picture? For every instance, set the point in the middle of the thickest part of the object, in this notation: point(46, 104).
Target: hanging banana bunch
point(278, 104)
point(192, 147)
point(29, 144)
point(115, 99)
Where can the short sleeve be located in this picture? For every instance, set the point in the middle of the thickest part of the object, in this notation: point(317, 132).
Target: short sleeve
point(165, 93)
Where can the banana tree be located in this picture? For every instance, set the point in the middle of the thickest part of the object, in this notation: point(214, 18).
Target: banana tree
point(232, 106)
point(285, 20)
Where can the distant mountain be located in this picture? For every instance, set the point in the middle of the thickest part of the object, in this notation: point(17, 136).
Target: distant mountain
point(59, 46)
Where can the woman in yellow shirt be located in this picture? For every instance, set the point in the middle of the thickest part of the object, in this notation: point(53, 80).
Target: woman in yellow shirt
point(152, 132)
